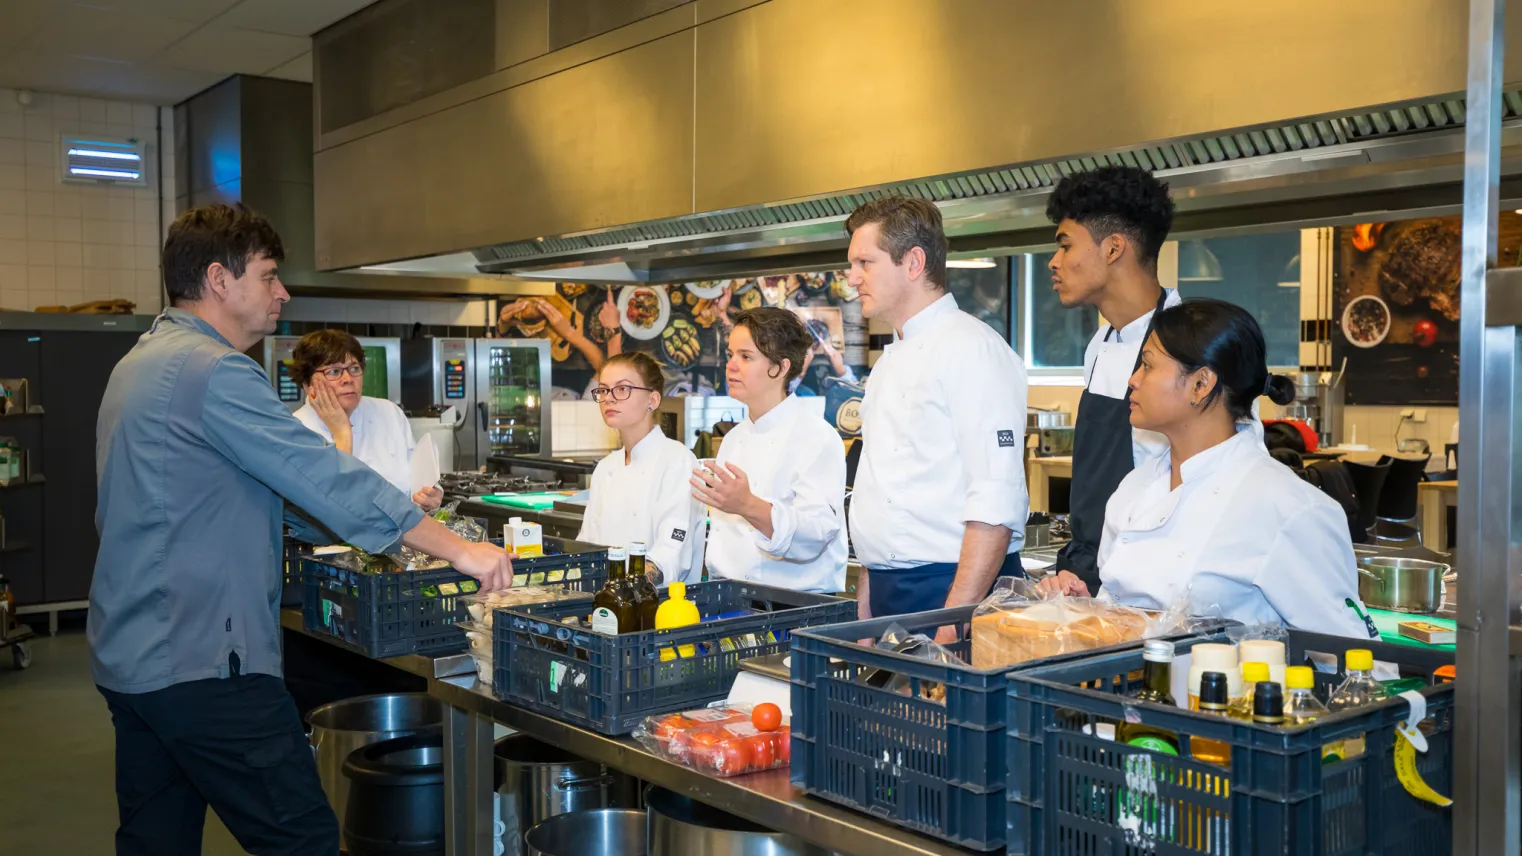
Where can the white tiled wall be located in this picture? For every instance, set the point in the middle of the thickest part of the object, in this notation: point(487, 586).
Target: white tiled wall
point(576, 428)
point(467, 313)
point(62, 244)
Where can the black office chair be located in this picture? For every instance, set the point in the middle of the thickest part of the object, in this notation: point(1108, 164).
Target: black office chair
point(1398, 523)
point(1368, 483)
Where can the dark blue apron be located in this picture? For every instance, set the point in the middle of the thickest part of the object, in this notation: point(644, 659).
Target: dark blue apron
point(1102, 456)
point(897, 591)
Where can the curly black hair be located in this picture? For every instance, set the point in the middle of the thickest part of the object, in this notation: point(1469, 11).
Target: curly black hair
point(1116, 199)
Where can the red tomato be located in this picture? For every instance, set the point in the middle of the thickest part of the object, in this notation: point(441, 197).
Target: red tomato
point(680, 745)
point(705, 752)
point(732, 757)
point(766, 717)
point(785, 745)
point(763, 750)
point(1424, 332)
point(666, 728)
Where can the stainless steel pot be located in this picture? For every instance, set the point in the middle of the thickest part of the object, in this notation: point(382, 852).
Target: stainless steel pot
point(600, 832)
point(679, 826)
point(343, 726)
point(536, 781)
point(1402, 585)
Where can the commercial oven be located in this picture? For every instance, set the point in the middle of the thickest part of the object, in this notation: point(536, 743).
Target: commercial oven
point(439, 374)
point(512, 408)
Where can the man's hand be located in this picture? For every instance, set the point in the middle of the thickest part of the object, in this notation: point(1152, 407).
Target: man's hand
point(1064, 582)
point(487, 563)
point(429, 498)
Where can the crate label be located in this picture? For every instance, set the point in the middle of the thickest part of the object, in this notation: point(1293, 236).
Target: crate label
point(449, 589)
point(557, 671)
point(604, 621)
point(742, 729)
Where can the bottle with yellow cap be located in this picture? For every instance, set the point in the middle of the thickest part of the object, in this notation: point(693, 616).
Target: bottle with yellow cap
point(1359, 689)
point(1241, 705)
point(676, 611)
point(1302, 707)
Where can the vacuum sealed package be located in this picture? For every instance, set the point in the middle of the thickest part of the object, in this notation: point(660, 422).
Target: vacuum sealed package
point(919, 646)
point(481, 605)
point(722, 740)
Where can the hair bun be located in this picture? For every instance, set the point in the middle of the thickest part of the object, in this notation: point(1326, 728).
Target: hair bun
point(1279, 389)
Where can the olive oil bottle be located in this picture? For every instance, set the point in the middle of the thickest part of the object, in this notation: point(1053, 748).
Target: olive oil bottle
point(1157, 670)
point(615, 606)
point(644, 590)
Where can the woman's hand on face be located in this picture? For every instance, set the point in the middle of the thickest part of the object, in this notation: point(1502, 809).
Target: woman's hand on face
point(325, 401)
point(429, 498)
point(1064, 582)
point(725, 487)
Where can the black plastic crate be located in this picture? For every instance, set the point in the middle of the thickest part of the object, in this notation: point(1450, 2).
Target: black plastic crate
point(390, 613)
point(611, 683)
point(931, 767)
point(1069, 791)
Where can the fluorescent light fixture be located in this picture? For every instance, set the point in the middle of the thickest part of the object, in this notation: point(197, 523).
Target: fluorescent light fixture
point(979, 263)
point(104, 173)
point(102, 153)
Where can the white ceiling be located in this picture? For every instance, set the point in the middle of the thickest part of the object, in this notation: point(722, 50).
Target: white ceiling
point(157, 51)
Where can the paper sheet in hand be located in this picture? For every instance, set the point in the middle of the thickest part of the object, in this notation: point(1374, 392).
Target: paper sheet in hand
point(425, 464)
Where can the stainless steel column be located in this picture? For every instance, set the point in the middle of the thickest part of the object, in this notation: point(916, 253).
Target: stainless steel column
point(1486, 795)
point(469, 783)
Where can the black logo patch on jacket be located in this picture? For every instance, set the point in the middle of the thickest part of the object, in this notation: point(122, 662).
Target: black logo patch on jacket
point(1006, 439)
point(679, 534)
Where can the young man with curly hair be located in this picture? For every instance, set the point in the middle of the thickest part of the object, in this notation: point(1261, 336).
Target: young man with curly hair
point(1111, 225)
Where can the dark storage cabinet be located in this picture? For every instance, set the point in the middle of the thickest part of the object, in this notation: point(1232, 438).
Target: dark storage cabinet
point(51, 525)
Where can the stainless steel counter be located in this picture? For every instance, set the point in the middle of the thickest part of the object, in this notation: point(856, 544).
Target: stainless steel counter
point(765, 798)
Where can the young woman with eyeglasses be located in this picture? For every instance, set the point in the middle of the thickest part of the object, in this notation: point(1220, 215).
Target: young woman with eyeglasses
point(639, 491)
point(329, 365)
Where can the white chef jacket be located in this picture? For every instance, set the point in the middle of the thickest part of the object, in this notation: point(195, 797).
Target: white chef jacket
point(650, 500)
point(382, 438)
point(1108, 363)
point(796, 462)
point(1244, 535)
point(943, 442)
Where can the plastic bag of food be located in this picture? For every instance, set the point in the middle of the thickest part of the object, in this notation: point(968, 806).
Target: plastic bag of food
point(1018, 622)
point(479, 647)
point(899, 640)
point(722, 740)
point(482, 605)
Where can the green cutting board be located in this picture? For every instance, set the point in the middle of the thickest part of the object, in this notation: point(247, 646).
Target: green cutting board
point(528, 501)
point(1388, 624)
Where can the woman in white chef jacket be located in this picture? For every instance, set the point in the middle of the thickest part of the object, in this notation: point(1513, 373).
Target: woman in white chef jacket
point(329, 366)
point(777, 487)
point(1216, 517)
point(639, 491)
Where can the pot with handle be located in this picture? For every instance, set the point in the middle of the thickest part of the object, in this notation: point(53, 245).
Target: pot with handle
point(1401, 585)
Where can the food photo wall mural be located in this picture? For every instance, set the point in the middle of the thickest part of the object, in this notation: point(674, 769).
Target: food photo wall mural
point(686, 328)
point(1396, 310)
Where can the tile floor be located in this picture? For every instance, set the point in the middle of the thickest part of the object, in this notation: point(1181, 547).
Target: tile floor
point(56, 765)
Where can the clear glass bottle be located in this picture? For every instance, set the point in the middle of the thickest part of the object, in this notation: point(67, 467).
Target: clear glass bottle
point(1359, 689)
point(1241, 706)
point(1212, 699)
point(1157, 681)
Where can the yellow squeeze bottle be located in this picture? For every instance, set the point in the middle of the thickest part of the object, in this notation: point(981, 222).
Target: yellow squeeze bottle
point(676, 611)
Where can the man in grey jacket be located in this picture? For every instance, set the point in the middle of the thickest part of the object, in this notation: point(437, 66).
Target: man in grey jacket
point(195, 460)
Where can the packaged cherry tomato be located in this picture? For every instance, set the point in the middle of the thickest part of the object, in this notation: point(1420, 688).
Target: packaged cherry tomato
point(721, 741)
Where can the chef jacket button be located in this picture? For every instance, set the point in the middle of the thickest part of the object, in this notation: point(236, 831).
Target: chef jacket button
point(893, 555)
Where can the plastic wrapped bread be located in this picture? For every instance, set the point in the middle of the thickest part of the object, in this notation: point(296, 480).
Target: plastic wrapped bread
point(1010, 633)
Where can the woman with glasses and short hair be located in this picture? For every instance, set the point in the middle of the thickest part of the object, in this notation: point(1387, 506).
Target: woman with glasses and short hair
point(639, 491)
point(329, 365)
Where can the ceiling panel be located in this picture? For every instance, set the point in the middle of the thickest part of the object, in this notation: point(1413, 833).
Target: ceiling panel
point(20, 20)
point(104, 34)
point(217, 48)
point(299, 68)
point(198, 11)
point(291, 17)
point(127, 81)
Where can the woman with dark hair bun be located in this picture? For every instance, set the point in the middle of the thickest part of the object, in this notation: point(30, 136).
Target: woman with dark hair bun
point(1217, 519)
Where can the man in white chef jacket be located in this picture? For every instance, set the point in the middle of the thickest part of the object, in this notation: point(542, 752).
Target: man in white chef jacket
point(939, 503)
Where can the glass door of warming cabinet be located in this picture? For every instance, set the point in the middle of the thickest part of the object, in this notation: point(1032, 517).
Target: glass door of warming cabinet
point(512, 388)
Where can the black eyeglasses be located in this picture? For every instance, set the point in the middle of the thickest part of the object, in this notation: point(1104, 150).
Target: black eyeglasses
point(336, 372)
point(618, 393)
